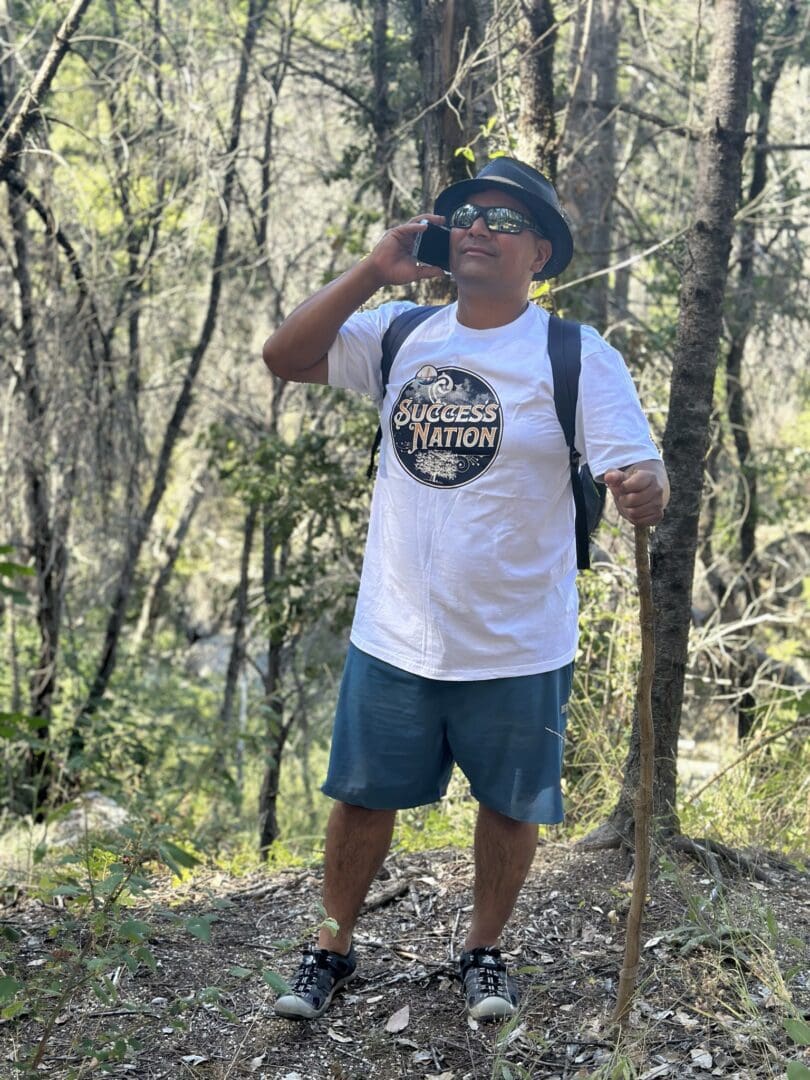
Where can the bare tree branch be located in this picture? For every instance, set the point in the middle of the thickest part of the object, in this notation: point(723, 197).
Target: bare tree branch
point(12, 141)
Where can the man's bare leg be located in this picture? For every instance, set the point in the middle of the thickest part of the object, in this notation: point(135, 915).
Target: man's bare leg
point(357, 841)
point(504, 849)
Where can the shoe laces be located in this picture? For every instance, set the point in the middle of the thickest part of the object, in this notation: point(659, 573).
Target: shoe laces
point(311, 964)
point(490, 972)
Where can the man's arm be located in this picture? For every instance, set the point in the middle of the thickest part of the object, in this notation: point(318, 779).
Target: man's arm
point(298, 349)
point(641, 491)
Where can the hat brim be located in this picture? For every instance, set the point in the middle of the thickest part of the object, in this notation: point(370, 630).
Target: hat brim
point(550, 221)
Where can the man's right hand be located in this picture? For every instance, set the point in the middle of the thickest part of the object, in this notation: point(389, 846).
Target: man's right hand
point(392, 257)
point(298, 349)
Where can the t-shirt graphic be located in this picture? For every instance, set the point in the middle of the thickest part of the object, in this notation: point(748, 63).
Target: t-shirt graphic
point(446, 426)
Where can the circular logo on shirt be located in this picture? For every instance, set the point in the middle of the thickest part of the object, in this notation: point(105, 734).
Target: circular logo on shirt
point(446, 426)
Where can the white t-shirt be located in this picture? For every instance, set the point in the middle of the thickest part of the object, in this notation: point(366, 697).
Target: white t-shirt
point(470, 563)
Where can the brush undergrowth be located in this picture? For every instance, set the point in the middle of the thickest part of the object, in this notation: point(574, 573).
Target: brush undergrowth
point(760, 798)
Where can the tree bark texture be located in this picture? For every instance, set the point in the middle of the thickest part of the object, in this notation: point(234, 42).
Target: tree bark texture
point(686, 437)
point(537, 125)
point(447, 32)
point(277, 730)
point(382, 115)
point(590, 155)
point(236, 659)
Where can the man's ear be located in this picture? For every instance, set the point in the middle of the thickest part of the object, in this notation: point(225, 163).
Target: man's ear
point(543, 254)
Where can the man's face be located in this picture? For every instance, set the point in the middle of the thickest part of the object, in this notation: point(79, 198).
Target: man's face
point(502, 261)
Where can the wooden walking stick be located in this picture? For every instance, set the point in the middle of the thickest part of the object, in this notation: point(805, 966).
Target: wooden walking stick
point(644, 794)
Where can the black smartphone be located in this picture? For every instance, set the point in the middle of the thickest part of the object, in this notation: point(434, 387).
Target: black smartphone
point(433, 246)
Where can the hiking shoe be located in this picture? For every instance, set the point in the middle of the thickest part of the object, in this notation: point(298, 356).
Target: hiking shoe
point(320, 975)
point(490, 993)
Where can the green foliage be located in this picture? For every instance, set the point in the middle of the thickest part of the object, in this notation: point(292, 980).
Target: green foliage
point(601, 705)
point(11, 570)
point(787, 467)
point(766, 794)
point(798, 1030)
point(447, 824)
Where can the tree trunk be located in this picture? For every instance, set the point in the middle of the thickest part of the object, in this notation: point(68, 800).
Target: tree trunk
point(537, 126)
point(686, 437)
point(171, 550)
point(277, 730)
point(277, 733)
point(447, 32)
point(743, 314)
point(236, 660)
point(48, 529)
point(382, 116)
point(742, 317)
point(275, 77)
point(140, 527)
point(589, 141)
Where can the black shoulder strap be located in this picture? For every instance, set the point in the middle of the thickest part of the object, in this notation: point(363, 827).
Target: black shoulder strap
point(394, 337)
point(564, 352)
point(392, 341)
point(564, 349)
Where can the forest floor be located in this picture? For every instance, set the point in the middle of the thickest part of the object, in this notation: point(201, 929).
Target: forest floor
point(718, 980)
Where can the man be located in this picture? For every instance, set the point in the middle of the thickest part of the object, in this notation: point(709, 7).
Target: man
point(466, 620)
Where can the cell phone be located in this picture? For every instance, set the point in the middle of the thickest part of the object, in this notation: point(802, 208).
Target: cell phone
point(433, 246)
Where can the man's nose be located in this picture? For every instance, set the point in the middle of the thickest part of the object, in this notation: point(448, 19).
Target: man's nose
point(479, 226)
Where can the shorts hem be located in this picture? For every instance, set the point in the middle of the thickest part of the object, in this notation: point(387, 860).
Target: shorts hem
point(524, 816)
point(366, 802)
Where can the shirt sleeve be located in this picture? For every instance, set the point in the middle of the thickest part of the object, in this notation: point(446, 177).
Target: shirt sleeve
point(612, 430)
point(354, 360)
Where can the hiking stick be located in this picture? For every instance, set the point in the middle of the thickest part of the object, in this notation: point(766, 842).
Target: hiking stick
point(644, 793)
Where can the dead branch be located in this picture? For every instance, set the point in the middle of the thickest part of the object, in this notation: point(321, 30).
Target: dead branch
point(758, 744)
point(386, 895)
point(11, 143)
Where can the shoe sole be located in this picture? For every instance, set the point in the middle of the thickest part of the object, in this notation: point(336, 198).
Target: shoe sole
point(492, 1008)
point(292, 1007)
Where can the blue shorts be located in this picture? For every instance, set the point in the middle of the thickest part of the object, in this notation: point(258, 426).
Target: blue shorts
point(397, 735)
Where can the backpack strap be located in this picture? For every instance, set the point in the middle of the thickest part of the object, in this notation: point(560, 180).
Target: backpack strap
point(564, 349)
point(393, 339)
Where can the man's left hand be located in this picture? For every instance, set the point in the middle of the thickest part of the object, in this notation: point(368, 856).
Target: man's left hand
point(641, 491)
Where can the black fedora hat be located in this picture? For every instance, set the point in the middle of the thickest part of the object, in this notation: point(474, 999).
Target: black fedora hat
point(534, 191)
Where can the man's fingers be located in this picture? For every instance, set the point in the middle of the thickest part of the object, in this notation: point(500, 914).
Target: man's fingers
point(638, 494)
point(613, 477)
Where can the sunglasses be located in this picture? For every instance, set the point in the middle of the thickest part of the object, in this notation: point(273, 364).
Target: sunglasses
point(499, 219)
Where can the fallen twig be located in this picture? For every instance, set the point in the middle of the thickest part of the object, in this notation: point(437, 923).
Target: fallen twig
point(386, 895)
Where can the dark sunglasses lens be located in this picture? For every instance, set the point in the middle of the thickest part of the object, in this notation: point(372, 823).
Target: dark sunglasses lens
point(463, 216)
point(502, 219)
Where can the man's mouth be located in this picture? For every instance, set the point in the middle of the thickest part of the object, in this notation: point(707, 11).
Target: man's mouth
point(474, 250)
